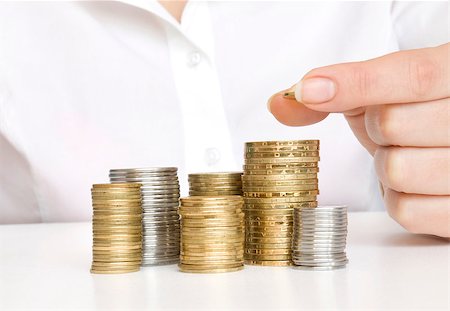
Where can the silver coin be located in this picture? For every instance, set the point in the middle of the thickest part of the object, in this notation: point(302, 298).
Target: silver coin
point(310, 248)
point(170, 261)
point(320, 264)
point(161, 216)
point(318, 268)
point(145, 169)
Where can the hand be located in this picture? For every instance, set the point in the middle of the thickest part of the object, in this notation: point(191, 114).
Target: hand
point(398, 106)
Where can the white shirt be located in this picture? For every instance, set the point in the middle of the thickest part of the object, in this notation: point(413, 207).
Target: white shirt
point(89, 86)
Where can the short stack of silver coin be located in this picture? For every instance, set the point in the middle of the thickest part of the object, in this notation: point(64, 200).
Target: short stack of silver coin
point(319, 237)
point(160, 201)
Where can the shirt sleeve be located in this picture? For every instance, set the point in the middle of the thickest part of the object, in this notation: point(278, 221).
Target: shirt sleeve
point(420, 24)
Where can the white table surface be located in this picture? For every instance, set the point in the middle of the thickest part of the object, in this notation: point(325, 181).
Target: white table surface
point(46, 266)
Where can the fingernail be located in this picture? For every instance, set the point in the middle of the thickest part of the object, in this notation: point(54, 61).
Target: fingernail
point(315, 90)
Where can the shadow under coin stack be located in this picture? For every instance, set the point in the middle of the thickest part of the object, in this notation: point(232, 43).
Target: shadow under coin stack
point(212, 234)
point(278, 177)
point(320, 238)
point(215, 184)
point(117, 228)
point(160, 201)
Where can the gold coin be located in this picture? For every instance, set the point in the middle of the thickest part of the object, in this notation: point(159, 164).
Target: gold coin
point(209, 214)
point(282, 143)
point(216, 174)
point(115, 191)
point(292, 148)
point(187, 269)
point(227, 249)
point(269, 212)
point(211, 208)
point(277, 263)
point(113, 264)
point(186, 234)
point(109, 197)
point(105, 212)
point(117, 185)
point(280, 166)
point(118, 217)
point(109, 201)
point(267, 240)
point(267, 257)
point(213, 216)
point(119, 239)
point(118, 244)
point(194, 193)
point(268, 234)
point(201, 239)
point(283, 171)
point(278, 177)
point(209, 258)
point(211, 184)
point(268, 251)
point(212, 229)
point(276, 206)
point(118, 271)
point(278, 182)
point(136, 260)
point(119, 266)
point(290, 154)
point(135, 207)
point(209, 188)
point(275, 200)
point(268, 246)
point(267, 223)
point(217, 224)
point(280, 160)
point(211, 199)
point(292, 188)
point(282, 194)
point(213, 265)
point(285, 229)
point(117, 229)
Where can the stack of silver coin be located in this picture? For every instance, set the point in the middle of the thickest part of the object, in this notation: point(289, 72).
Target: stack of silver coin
point(319, 237)
point(160, 202)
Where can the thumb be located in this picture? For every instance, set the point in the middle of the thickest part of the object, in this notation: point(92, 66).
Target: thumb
point(402, 77)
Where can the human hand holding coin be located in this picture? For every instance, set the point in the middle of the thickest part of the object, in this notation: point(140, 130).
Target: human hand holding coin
point(398, 106)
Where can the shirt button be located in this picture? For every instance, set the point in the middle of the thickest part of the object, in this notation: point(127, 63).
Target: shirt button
point(212, 156)
point(194, 58)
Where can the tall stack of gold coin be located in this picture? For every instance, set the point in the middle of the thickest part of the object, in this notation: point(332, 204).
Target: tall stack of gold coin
point(117, 228)
point(212, 234)
point(278, 177)
point(215, 184)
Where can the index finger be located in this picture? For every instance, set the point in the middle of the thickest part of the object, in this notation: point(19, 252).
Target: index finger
point(401, 77)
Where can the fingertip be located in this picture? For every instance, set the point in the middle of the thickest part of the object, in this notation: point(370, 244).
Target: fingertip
point(292, 113)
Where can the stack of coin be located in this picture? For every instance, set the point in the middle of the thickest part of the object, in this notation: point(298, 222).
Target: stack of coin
point(160, 201)
point(278, 177)
point(215, 184)
point(320, 237)
point(212, 234)
point(117, 228)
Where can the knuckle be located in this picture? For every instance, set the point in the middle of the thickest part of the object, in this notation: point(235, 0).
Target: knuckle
point(400, 210)
point(393, 168)
point(381, 125)
point(362, 81)
point(423, 75)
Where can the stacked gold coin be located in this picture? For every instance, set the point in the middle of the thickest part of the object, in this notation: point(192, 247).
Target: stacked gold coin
point(212, 234)
point(117, 228)
point(215, 184)
point(278, 177)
